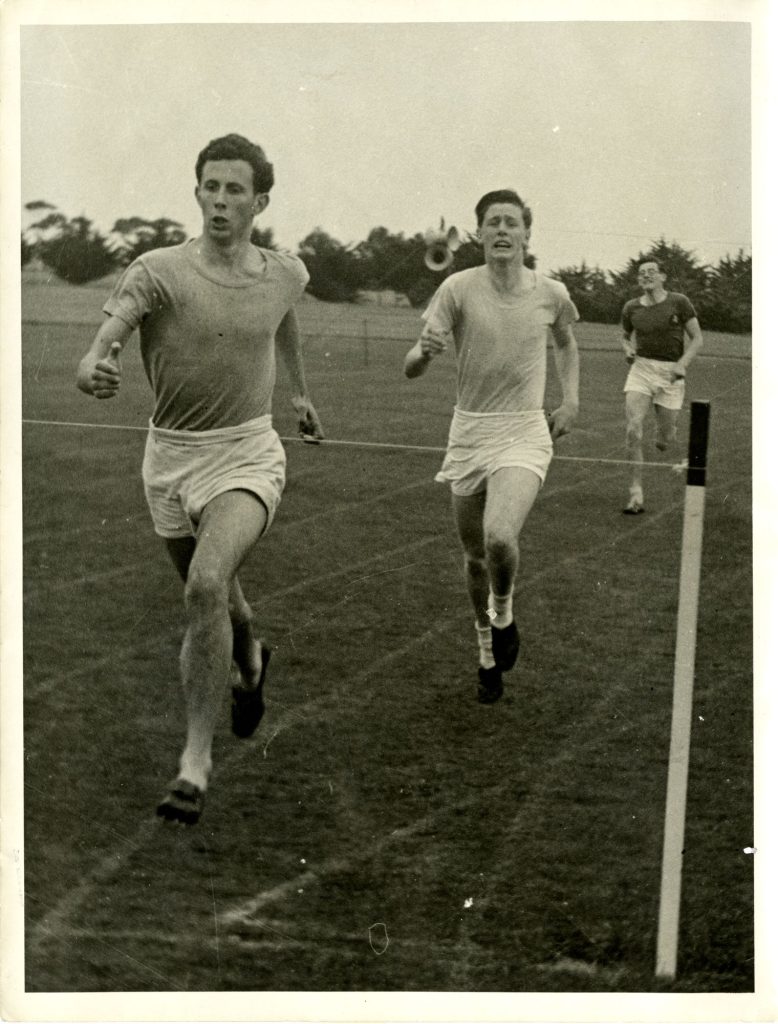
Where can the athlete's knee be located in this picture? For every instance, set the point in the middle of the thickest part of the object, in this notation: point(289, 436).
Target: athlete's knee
point(474, 563)
point(668, 431)
point(634, 433)
point(205, 590)
point(501, 547)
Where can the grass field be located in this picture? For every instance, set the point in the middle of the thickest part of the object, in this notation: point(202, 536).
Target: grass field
point(382, 831)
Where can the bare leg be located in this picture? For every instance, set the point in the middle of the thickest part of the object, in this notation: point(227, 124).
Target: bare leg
point(666, 427)
point(245, 650)
point(245, 645)
point(489, 528)
point(637, 405)
point(230, 526)
point(468, 516)
point(510, 496)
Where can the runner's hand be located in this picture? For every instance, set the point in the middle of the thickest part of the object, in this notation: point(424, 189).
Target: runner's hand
point(106, 377)
point(560, 421)
point(432, 342)
point(308, 424)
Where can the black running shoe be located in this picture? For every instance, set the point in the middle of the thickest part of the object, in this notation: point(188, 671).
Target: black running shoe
point(184, 803)
point(505, 646)
point(489, 685)
point(247, 705)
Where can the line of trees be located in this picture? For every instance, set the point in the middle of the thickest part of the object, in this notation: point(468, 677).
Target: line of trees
point(721, 295)
point(77, 252)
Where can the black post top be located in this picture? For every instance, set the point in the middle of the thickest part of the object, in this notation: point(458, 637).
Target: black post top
point(698, 444)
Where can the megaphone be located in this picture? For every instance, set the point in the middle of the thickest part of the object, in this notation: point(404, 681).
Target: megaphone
point(441, 246)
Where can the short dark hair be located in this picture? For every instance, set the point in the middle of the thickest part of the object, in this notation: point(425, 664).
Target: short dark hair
point(502, 195)
point(236, 147)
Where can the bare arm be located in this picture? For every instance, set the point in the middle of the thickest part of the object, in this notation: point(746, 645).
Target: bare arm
point(568, 370)
point(430, 344)
point(629, 344)
point(290, 346)
point(693, 339)
point(99, 372)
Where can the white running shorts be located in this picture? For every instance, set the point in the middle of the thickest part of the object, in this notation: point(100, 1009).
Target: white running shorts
point(185, 469)
point(653, 377)
point(481, 443)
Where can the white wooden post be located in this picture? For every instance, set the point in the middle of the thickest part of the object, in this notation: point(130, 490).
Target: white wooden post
point(683, 686)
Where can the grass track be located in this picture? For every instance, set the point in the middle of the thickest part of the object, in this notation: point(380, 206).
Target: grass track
point(378, 798)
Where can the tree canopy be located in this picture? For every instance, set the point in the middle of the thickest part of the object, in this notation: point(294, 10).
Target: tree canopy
point(138, 236)
point(385, 260)
point(74, 249)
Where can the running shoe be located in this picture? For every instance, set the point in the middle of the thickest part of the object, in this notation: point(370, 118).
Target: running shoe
point(183, 803)
point(489, 685)
point(634, 506)
point(505, 646)
point(247, 705)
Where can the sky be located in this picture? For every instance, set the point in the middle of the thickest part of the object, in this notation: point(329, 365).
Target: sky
point(616, 133)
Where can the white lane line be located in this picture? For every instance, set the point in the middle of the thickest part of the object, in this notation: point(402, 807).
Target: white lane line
point(52, 925)
point(249, 935)
point(462, 969)
point(282, 526)
point(245, 913)
point(150, 642)
point(268, 897)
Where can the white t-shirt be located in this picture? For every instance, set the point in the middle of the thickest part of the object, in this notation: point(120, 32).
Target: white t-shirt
point(208, 347)
point(500, 342)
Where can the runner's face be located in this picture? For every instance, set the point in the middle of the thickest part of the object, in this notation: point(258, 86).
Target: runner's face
point(503, 233)
point(227, 200)
point(650, 277)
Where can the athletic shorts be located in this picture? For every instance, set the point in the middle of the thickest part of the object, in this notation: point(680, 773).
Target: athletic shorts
point(481, 443)
point(185, 469)
point(653, 377)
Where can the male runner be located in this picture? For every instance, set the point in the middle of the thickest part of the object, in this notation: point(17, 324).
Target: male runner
point(661, 337)
point(499, 446)
point(210, 313)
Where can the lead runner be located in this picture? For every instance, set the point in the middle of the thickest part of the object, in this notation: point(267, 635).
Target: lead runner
point(210, 313)
point(500, 445)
